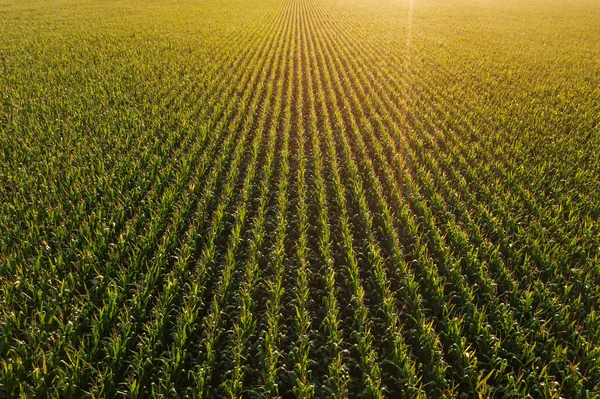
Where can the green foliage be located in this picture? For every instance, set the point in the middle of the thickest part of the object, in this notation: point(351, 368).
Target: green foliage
point(299, 198)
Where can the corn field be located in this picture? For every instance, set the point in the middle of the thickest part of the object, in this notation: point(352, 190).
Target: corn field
point(299, 198)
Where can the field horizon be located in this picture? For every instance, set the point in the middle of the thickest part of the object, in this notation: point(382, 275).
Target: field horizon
point(299, 198)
